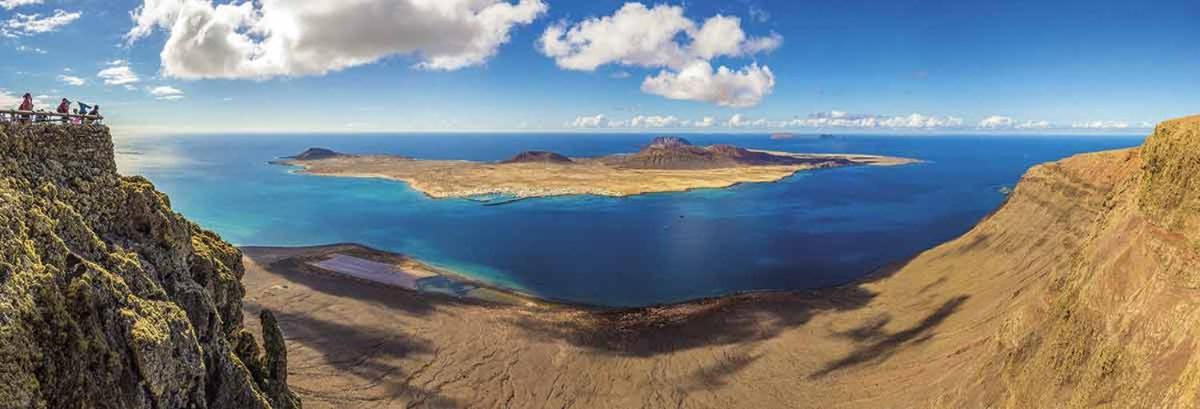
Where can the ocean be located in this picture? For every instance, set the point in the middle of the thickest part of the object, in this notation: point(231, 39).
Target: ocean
point(816, 229)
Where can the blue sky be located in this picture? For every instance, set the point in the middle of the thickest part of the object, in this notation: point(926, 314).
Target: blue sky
point(417, 65)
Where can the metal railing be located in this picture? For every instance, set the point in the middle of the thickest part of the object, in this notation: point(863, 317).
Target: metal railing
point(14, 115)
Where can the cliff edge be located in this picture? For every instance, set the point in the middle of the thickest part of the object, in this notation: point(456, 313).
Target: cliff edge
point(110, 299)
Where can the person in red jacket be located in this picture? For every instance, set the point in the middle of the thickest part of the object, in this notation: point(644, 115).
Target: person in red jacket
point(64, 108)
point(26, 105)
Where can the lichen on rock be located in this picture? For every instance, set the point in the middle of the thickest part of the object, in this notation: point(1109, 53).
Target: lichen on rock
point(108, 298)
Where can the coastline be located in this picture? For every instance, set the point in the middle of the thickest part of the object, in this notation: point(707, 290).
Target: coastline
point(455, 179)
point(299, 260)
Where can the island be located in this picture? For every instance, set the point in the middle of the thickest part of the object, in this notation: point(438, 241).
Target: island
point(667, 164)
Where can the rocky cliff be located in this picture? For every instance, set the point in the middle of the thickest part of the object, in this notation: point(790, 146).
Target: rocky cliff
point(110, 299)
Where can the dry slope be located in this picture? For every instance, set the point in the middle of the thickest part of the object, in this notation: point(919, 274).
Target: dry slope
point(110, 299)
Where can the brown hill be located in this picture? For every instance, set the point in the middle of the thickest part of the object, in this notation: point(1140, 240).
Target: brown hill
point(677, 153)
point(538, 157)
point(316, 154)
point(1082, 291)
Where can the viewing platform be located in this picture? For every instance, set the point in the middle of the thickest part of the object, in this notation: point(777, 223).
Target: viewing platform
point(13, 115)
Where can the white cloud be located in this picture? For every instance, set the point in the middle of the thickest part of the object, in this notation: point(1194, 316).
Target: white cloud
point(997, 122)
point(594, 121)
point(1101, 125)
point(166, 93)
point(27, 49)
point(739, 121)
point(654, 121)
point(31, 24)
point(620, 75)
point(662, 37)
point(840, 119)
point(295, 38)
point(72, 80)
point(1034, 125)
point(706, 122)
point(118, 73)
point(12, 4)
point(724, 87)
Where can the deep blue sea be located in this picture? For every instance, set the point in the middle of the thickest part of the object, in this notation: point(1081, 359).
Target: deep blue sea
point(816, 229)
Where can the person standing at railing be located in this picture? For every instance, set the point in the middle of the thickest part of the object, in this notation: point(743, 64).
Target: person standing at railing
point(83, 111)
point(64, 108)
point(95, 114)
point(26, 105)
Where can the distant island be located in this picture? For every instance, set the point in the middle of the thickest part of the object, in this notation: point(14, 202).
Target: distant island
point(782, 136)
point(667, 164)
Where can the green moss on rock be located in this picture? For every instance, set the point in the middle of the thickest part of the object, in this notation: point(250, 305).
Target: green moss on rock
point(107, 297)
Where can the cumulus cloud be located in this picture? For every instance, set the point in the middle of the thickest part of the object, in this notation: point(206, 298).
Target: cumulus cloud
point(1101, 125)
point(118, 73)
point(1034, 125)
point(1003, 122)
point(23, 25)
point(739, 121)
point(654, 121)
point(12, 4)
point(72, 80)
point(166, 93)
point(272, 38)
point(698, 82)
point(594, 121)
point(841, 119)
point(662, 37)
point(997, 122)
point(844, 120)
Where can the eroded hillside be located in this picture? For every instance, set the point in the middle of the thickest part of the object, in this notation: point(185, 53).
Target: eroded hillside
point(110, 299)
point(1083, 290)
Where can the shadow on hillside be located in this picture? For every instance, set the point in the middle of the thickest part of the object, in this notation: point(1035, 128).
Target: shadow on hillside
point(701, 324)
point(733, 320)
point(641, 332)
point(877, 345)
point(371, 354)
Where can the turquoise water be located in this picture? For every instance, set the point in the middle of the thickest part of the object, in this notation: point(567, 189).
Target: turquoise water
point(816, 229)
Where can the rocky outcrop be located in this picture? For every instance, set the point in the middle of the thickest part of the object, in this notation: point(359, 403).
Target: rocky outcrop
point(668, 142)
point(539, 157)
point(110, 299)
point(317, 154)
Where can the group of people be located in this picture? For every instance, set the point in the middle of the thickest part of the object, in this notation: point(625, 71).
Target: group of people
point(85, 114)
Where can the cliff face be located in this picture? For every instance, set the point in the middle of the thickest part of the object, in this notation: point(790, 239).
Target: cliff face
point(108, 298)
point(1086, 284)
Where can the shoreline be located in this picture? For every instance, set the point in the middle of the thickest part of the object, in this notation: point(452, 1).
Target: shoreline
point(457, 179)
point(501, 296)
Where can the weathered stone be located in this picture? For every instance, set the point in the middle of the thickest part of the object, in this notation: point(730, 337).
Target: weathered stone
point(107, 297)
